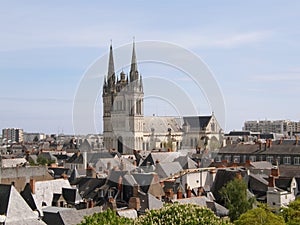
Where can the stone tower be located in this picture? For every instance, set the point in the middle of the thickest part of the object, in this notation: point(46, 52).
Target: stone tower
point(123, 108)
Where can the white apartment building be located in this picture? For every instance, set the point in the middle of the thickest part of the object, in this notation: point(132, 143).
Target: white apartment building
point(272, 126)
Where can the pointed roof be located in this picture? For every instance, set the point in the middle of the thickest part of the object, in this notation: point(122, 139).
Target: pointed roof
point(111, 66)
point(133, 68)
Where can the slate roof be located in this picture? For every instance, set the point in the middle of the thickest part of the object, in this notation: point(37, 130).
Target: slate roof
point(196, 122)
point(166, 169)
point(153, 157)
point(14, 207)
point(161, 124)
point(76, 216)
point(223, 176)
point(71, 195)
point(27, 196)
point(186, 162)
point(87, 186)
point(148, 201)
point(283, 183)
point(279, 149)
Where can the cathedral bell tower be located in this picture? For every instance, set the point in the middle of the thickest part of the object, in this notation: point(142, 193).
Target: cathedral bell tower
point(123, 108)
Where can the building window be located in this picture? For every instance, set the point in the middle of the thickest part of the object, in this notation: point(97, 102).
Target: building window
point(252, 158)
point(287, 160)
point(213, 127)
point(228, 158)
point(218, 158)
point(296, 160)
point(236, 159)
point(269, 158)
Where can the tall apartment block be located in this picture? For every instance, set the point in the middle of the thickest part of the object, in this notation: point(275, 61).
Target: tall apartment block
point(12, 135)
point(287, 127)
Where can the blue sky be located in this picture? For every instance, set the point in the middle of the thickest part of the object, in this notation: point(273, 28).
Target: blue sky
point(253, 49)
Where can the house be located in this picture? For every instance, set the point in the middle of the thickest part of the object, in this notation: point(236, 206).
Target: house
point(14, 208)
point(43, 190)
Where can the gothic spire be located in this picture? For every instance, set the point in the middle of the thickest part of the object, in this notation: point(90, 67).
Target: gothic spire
point(111, 69)
point(134, 75)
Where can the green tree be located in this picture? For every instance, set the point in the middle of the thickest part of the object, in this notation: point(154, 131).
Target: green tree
point(291, 214)
point(181, 215)
point(42, 161)
point(107, 217)
point(234, 194)
point(261, 215)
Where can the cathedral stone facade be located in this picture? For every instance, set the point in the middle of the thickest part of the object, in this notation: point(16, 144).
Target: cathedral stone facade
point(126, 129)
point(123, 110)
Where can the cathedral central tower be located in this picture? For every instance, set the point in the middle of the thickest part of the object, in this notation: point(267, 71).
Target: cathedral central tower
point(123, 108)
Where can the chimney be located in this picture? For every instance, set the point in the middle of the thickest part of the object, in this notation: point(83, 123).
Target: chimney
point(189, 192)
point(134, 203)
point(136, 188)
point(200, 191)
point(179, 193)
point(108, 165)
point(90, 172)
point(271, 181)
point(169, 193)
point(32, 185)
point(248, 162)
point(120, 187)
point(84, 156)
point(90, 203)
point(238, 175)
point(123, 165)
point(112, 204)
point(275, 172)
point(297, 139)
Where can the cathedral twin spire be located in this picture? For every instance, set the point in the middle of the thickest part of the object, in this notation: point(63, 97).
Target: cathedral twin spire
point(110, 82)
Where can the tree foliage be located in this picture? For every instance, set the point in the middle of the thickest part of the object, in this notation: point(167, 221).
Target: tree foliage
point(107, 217)
point(291, 214)
point(261, 215)
point(169, 214)
point(181, 215)
point(234, 194)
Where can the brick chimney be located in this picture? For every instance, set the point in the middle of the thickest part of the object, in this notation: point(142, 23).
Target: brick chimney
point(179, 193)
point(238, 175)
point(271, 180)
point(134, 203)
point(90, 172)
point(275, 171)
point(169, 193)
point(136, 189)
point(189, 192)
point(32, 185)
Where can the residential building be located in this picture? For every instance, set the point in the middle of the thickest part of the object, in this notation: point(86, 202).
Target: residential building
point(287, 127)
point(12, 135)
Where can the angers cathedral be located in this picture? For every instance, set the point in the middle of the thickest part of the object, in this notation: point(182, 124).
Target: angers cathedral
point(125, 128)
